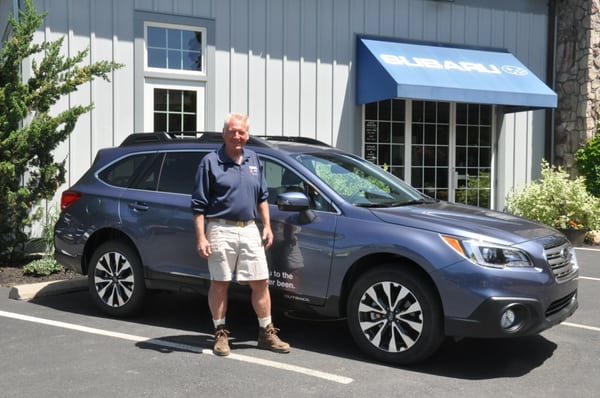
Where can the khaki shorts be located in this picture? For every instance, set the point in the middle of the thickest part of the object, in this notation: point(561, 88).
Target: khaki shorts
point(237, 252)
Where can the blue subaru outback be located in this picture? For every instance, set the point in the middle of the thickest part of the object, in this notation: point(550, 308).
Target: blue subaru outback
point(351, 240)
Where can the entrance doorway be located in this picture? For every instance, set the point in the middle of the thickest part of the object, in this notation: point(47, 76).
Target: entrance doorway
point(443, 149)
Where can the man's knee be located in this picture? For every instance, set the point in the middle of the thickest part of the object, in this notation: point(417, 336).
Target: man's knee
point(219, 287)
point(260, 285)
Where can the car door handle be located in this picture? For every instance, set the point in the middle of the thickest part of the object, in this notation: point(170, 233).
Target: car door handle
point(138, 206)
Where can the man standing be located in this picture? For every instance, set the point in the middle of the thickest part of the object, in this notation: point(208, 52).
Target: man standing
point(229, 192)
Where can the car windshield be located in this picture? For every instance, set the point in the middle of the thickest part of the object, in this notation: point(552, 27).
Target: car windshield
point(360, 182)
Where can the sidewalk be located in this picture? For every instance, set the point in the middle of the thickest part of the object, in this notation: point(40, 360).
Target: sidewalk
point(42, 289)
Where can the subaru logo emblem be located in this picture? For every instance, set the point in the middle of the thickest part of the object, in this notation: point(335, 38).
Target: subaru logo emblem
point(515, 70)
point(565, 253)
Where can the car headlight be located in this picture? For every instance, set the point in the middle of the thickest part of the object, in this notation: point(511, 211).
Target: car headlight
point(488, 254)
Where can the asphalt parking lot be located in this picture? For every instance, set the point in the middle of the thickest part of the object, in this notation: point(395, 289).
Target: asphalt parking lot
point(61, 346)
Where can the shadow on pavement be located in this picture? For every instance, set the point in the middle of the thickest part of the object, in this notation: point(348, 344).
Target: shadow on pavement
point(470, 359)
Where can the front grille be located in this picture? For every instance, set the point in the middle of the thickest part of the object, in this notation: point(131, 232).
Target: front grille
point(559, 304)
point(562, 262)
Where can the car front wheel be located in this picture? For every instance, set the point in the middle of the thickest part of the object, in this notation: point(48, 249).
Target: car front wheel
point(116, 279)
point(395, 316)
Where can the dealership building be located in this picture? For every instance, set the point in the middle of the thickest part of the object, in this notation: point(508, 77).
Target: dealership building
point(459, 98)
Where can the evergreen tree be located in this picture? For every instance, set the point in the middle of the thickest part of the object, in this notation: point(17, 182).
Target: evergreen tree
point(28, 132)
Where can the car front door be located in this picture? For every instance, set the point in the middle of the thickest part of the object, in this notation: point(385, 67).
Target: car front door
point(301, 255)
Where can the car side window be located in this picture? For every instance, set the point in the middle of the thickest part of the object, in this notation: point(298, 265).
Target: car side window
point(283, 179)
point(124, 172)
point(178, 172)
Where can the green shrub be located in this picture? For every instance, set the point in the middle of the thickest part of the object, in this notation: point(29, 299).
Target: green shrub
point(588, 164)
point(556, 200)
point(31, 128)
point(44, 266)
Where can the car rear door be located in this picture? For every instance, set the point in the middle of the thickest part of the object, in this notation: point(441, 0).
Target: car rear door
point(157, 209)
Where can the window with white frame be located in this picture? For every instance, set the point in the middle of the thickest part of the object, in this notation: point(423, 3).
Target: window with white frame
point(175, 110)
point(174, 48)
point(174, 76)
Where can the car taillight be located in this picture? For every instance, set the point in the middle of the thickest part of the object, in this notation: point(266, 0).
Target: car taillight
point(68, 198)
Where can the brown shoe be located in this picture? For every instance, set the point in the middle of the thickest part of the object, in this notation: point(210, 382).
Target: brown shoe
point(221, 347)
point(267, 339)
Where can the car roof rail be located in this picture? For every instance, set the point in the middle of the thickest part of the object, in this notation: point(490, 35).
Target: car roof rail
point(298, 139)
point(179, 136)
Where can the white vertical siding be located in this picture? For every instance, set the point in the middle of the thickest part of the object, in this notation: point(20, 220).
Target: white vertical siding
point(292, 79)
point(273, 55)
point(78, 21)
point(289, 64)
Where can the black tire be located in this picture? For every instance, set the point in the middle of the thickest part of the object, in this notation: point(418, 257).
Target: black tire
point(116, 279)
point(395, 316)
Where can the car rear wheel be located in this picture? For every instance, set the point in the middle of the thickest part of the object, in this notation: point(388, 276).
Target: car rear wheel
point(395, 316)
point(116, 279)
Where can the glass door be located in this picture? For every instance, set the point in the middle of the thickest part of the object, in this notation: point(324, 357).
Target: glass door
point(473, 163)
point(430, 148)
point(443, 149)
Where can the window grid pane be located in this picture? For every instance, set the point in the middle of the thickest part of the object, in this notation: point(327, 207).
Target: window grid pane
point(430, 169)
point(170, 115)
point(473, 154)
point(384, 135)
point(177, 49)
point(430, 148)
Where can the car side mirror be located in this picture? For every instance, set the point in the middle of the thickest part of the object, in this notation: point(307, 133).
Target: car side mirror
point(296, 201)
point(292, 201)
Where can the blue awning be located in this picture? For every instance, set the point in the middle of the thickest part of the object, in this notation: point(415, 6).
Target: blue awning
point(391, 69)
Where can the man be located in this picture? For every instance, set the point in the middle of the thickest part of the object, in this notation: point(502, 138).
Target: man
point(230, 191)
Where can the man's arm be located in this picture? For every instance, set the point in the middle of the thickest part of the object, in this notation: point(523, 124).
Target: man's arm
point(202, 244)
point(267, 234)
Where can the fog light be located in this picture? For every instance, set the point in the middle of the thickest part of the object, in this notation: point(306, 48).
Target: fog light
point(508, 318)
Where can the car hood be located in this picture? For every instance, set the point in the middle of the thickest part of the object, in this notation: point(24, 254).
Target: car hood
point(467, 221)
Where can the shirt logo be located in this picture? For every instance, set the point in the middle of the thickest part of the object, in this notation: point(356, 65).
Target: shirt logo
point(253, 170)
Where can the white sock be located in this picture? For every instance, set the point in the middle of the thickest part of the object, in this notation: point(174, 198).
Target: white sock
point(264, 322)
point(218, 322)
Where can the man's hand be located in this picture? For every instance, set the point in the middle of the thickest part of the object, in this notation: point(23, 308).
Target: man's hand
point(267, 237)
point(203, 247)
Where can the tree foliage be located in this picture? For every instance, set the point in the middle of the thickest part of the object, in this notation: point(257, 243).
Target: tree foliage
point(588, 164)
point(29, 132)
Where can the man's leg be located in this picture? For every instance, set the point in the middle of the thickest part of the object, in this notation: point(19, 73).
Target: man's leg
point(217, 299)
point(261, 298)
point(217, 302)
point(261, 302)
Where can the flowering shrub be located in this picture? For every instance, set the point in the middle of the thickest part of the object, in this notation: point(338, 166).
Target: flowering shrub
point(556, 200)
point(588, 164)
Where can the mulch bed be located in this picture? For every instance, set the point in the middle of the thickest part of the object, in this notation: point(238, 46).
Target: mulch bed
point(12, 275)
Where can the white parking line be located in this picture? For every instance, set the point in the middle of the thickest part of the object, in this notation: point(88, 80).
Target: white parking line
point(589, 278)
point(186, 347)
point(591, 249)
point(576, 325)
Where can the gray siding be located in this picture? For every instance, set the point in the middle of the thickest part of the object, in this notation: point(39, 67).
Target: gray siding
point(289, 64)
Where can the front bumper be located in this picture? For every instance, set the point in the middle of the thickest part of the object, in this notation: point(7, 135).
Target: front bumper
point(530, 317)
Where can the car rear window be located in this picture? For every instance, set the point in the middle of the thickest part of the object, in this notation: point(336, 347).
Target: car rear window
point(123, 172)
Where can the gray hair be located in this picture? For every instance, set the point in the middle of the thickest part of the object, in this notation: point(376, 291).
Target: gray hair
point(236, 116)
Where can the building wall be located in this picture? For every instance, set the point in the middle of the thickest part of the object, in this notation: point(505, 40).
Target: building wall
point(289, 64)
point(577, 77)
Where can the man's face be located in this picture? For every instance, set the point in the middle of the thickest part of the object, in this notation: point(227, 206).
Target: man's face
point(236, 134)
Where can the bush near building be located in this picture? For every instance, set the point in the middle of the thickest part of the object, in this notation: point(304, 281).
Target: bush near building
point(29, 131)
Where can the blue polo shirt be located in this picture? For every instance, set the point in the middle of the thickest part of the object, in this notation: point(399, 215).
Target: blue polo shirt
point(224, 189)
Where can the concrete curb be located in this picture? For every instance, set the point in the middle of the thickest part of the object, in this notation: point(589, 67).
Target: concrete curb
point(43, 289)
